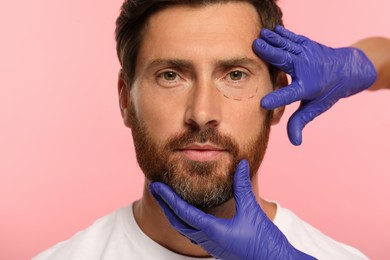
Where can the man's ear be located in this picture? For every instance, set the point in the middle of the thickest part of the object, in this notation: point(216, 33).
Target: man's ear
point(124, 99)
point(281, 81)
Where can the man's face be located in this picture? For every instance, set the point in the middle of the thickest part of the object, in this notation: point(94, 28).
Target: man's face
point(187, 132)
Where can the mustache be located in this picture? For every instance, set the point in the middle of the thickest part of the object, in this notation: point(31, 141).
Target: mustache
point(205, 135)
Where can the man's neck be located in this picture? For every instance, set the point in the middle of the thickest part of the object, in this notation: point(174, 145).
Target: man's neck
point(151, 219)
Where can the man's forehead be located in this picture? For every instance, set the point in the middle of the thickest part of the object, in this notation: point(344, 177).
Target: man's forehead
point(221, 33)
point(237, 14)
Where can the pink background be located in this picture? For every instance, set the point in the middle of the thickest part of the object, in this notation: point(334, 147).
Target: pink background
point(66, 158)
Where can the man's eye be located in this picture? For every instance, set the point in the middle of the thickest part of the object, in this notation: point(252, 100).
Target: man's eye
point(236, 75)
point(169, 75)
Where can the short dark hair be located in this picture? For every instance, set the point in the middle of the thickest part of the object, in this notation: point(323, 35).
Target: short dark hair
point(135, 13)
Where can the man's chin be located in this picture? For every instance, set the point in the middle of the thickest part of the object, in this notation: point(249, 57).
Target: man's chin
point(203, 184)
point(203, 191)
point(207, 202)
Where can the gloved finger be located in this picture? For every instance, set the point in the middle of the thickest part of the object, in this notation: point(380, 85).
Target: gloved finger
point(305, 114)
point(242, 186)
point(275, 56)
point(182, 227)
point(283, 96)
point(189, 214)
point(278, 41)
point(289, 34)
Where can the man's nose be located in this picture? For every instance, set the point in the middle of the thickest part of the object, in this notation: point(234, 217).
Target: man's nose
point(204, 106)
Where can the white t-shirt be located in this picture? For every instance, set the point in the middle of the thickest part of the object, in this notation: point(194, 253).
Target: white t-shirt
point(117, 236)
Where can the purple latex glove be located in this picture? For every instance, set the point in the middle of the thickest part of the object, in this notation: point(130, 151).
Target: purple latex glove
point(248, 235)
point(320, 75)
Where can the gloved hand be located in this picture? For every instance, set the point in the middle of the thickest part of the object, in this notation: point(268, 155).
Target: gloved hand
point(248, 235)
point(320, 75)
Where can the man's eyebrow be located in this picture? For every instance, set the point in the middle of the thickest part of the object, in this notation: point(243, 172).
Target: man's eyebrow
point(242, 61)
point(176, 63)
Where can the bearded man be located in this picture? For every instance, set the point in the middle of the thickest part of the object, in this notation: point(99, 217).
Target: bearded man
point(189, 89)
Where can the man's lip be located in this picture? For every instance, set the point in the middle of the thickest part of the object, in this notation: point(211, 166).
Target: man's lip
point(199, 147)
point(202, 152)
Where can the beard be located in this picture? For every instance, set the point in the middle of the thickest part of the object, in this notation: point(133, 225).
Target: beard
point(203, 184)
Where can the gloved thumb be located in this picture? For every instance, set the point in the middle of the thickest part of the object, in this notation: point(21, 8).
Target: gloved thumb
point(242, 185)
point(305, 113)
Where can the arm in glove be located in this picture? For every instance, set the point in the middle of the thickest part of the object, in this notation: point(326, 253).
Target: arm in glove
point(320, 75)
point(248, 235)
